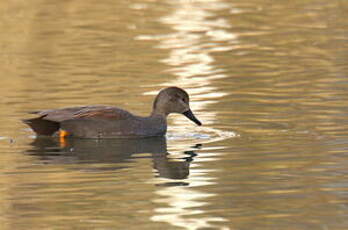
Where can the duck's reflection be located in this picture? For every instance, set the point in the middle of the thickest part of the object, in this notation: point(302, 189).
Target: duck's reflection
point(115, 152)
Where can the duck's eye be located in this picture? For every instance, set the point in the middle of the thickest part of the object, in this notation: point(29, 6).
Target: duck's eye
point(183, 100)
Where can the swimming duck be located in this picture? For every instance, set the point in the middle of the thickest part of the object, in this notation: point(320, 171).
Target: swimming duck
point(99, 121)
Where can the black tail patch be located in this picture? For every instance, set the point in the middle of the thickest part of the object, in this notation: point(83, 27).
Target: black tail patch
point(42, 127)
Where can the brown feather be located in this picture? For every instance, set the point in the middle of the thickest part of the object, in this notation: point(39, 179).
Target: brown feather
point(109, 113)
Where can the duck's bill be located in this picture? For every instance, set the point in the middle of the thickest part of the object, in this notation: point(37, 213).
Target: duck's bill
point(192, 117)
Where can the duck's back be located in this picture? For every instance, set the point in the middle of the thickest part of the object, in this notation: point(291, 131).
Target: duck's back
point(101, 111)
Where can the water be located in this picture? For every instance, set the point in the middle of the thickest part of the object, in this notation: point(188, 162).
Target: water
point(268, 79)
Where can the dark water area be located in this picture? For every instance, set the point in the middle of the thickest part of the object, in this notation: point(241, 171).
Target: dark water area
point(268, 79)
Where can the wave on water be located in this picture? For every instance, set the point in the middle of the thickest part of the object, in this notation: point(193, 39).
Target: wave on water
point(201, 134)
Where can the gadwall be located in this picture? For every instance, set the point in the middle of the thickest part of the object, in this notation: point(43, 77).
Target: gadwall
point(100, 121)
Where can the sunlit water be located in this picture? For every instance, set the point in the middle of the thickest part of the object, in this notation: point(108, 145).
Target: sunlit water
point(268, 79)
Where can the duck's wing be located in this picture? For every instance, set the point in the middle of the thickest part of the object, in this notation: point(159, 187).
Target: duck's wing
point(102, 113)
point(49, 121)
point(100, 122)
point(86, 112)
point(59, 115)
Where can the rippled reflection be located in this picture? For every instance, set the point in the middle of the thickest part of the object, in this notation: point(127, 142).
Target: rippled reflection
point(198, 34)
point(111, 151)
point(184, 202)
point(174, 181)
point(180, 202)
point(274, 72)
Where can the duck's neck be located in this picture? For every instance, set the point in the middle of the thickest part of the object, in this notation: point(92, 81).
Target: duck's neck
point(157, 123)
point(157, 113)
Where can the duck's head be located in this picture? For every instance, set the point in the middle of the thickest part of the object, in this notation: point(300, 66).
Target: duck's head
point(174, 100)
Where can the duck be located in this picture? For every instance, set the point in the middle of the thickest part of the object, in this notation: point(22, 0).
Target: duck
point(101, 121)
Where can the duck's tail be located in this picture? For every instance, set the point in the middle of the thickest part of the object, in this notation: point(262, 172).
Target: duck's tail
point(42, 126)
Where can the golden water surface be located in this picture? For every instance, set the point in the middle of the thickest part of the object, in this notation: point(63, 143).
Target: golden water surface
point(268, 79)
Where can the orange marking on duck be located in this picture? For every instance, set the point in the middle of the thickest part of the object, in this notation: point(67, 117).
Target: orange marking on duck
point(63, 133)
